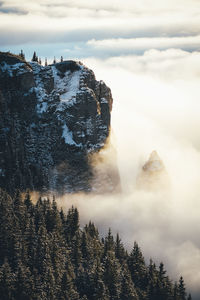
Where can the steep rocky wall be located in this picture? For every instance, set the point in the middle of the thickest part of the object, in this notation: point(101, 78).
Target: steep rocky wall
point(52, 120)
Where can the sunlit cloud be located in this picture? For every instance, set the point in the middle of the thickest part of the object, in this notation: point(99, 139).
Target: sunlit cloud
point(156, 106)
point(124, 46)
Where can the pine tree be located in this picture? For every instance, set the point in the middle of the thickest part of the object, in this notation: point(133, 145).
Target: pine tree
point(68, 290)
point(46, 64)
point(162, 272)
point(112, 276)
point(85, 248)
point(54, 60)
point(43, 252)
point(99, 290)
point(76, 252)
point(181, 289)
point(22, 55)
point(128, 291)
point(28, 204)
point(49, 284)
point(109, 243)
point(72, 223)
point(8, 226)
point(175, 292)
point(53, 220)
point(61, 59)
point(7, 282)
point(137, 267)
point(189, 297)
point(23, 283)
point(19, 209)
point(35, 57)
point(119, 249)
point(92, 230)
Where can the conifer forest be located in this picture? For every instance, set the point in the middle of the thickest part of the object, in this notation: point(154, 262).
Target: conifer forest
point(45, 254)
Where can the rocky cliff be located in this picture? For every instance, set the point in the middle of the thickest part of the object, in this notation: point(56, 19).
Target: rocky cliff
point(52, 120)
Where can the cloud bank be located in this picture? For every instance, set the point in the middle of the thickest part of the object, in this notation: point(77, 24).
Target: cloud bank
point(156, 106)
point(99, 28)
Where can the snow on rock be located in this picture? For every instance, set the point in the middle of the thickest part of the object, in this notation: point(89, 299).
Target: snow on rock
point(67, 86)
point(12, 70)
point(68, 136)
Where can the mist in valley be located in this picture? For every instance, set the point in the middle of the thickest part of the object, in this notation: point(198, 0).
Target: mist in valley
point(156, 107)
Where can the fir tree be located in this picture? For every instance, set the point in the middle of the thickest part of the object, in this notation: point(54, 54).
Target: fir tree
point(109, 243)
point(175, 292)
point(7, 282)
point(119, 249)
point(22, 55)
point(112, 276)
point(68, 290)
point(137, 267)
point(23, 283)
point(35, 57)
point(189, 297)
point(181, 289)
point(128, 291)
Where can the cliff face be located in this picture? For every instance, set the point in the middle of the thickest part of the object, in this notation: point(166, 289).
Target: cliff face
point(52, 120)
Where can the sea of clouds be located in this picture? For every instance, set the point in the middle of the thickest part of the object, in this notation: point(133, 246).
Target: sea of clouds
point(156, 107)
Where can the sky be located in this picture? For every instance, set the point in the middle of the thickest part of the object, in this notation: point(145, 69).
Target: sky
point(83, 28)
point(148, 53)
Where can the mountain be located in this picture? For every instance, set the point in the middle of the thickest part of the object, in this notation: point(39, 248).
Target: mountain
point(153, 175)
point(54, 120)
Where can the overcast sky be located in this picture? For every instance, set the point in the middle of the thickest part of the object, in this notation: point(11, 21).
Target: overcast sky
point(82, 28)
point(148, 52)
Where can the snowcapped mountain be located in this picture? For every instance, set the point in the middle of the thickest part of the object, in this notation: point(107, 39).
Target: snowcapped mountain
point(53, 119)
point(153, 175)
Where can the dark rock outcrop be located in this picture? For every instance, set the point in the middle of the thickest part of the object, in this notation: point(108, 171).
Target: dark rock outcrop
point(52, 120)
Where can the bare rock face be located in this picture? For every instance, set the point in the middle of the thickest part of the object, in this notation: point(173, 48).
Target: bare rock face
point(52, 120)
point(153, 175)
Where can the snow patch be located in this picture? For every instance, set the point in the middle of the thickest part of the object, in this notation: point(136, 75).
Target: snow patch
point(12, 70)
point(42, 107)
point(68, 136)
point(104, 100)
point(40, 91)
point(68, 86)
point(2, 172)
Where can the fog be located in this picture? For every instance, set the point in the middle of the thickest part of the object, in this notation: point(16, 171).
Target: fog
point(156, 107)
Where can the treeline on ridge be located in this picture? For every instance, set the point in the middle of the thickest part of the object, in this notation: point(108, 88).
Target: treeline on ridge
point(37, 59)
point(44, 254)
